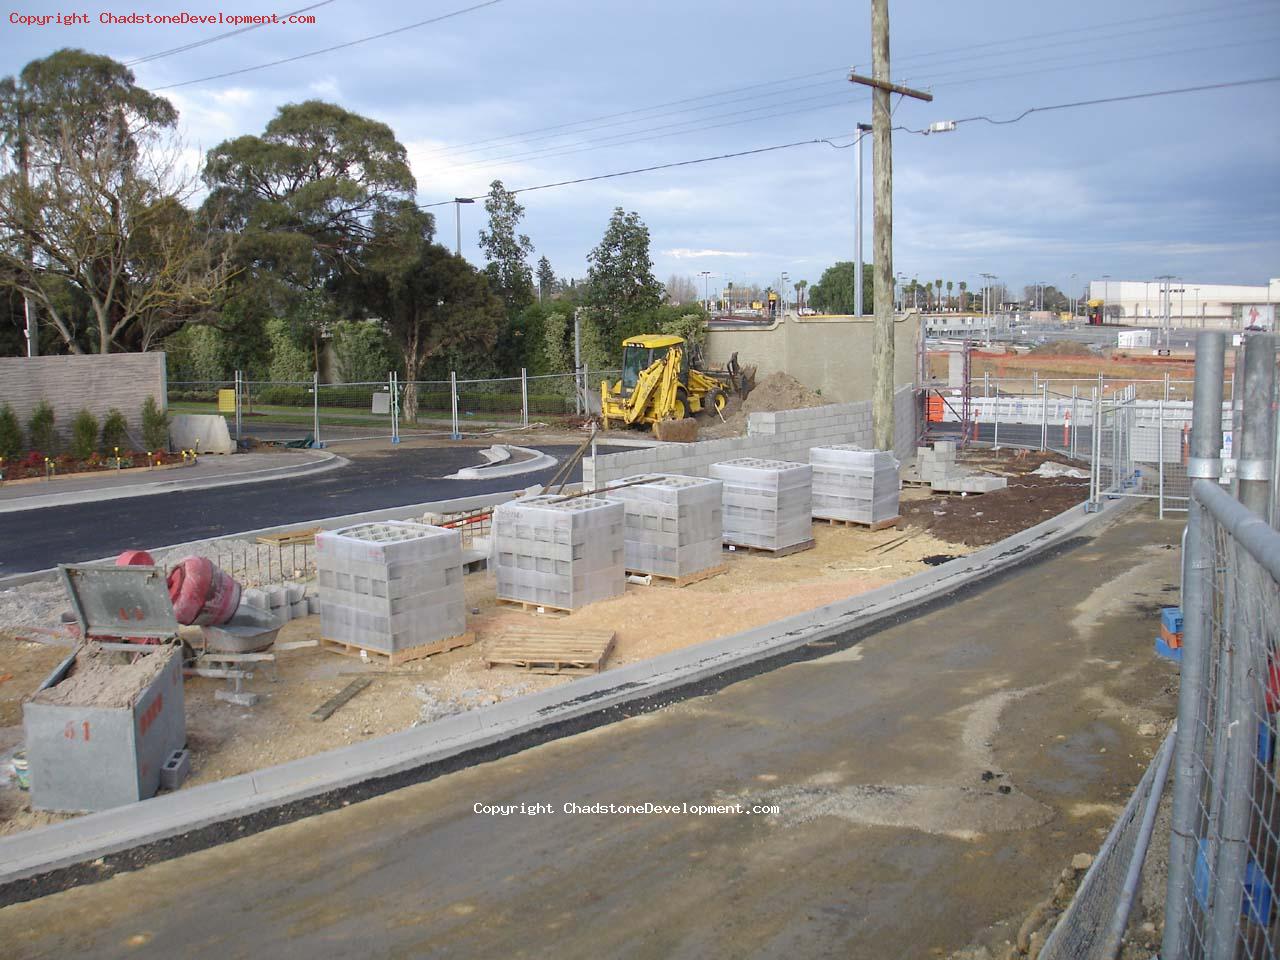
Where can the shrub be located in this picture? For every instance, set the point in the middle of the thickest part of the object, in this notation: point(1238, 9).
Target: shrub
point(10, 433)
point(155, 425)
point(115, 431)
point(40, 432)
point(84, 435)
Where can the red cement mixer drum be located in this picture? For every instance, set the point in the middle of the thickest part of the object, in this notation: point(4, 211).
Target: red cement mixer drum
point(202, 594)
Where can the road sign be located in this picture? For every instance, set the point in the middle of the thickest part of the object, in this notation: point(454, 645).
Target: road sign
point(226, 401)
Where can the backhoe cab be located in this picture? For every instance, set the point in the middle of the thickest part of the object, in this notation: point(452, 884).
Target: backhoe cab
point(660, 381)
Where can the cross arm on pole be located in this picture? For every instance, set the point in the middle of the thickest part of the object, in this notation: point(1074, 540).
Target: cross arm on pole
point(891, 87)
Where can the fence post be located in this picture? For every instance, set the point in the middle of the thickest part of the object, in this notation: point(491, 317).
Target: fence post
point(1160, 455)
point(453, 397)
point(1203, 463)
point(1253, 469)
point(986, 384)
point(1166, 385)
point(239, 393)
point(995, 422)
point(315, 409)
point(1075, 419)
point(1095, 453)
point(524, 397)
point(586, 402)
point(1044, 416)
point(393, 383)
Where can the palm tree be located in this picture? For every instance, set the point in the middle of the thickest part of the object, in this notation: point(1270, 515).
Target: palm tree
point(915, 287)
point(964, 297)
point(937, 285)
point(950, 301)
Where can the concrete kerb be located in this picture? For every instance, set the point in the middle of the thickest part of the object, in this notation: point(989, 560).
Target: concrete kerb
point(535, 461)
point(323, 461)
point(65, 845)
point(406, 512)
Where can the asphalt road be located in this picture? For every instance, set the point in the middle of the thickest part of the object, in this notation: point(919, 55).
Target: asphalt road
point(39, 539)
point(931, 784)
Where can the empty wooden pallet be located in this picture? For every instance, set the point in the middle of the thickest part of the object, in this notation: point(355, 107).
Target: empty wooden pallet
point(551, 651)
point(289, 538)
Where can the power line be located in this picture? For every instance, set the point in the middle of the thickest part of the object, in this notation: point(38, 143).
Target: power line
point(339, 46)
point(1131, 96)
point(934, 58)
point(662, 166)
point(222, 36)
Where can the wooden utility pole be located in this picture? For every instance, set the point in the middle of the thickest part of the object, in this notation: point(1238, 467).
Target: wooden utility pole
point(882, 240)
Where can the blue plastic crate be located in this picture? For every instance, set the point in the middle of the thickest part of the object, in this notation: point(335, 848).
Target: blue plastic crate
point(1169, 653)
point(1171, 619)
point(1255, 906)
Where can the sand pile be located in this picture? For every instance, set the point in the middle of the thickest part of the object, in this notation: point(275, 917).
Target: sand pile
point(102, 678)
point(778, 391)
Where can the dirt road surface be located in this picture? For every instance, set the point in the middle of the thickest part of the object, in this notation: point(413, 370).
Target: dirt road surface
point(931, 783)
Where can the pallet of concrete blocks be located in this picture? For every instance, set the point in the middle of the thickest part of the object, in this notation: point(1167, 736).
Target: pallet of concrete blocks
point(767, 504)
point(855, 485)
point(673, 527)
point(938, 468)
point(561, 553)
point(391, 588)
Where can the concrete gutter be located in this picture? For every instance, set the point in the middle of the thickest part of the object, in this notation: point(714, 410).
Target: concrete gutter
point(320, 462)
point(534, 461)
point(63, 845)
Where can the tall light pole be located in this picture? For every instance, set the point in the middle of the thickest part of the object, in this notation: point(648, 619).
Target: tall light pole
point(988, 299)
point(457, 209)
point(1075, 301)
point(1106, 290)
point(863, 130)
point(706, 290)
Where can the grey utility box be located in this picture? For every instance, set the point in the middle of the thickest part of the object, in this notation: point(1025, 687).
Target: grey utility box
point(850, 483)
point(100, 728)
point(391, 586)
point(767, 503)
point(559, 553)
point(673, 526)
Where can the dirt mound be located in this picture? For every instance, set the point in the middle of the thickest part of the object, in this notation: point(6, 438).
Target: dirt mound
point(1062, 348)
point(780, 391)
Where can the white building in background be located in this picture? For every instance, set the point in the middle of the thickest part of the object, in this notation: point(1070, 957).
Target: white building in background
point(1191, 304)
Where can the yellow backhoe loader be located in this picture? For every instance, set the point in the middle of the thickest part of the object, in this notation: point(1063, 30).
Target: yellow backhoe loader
point(661, 381)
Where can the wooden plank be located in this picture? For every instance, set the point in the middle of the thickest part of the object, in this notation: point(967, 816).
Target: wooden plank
point(688, 578)
point(397, 657)
point(766, 552)
point(289, 538)
point(326, 709)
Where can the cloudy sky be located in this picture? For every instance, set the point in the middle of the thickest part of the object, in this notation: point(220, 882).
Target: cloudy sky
point(538, 91)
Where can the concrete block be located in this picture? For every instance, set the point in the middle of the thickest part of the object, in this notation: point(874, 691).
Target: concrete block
point(299, 609)
point(255, 598)
point(207, 433)
point(982, 484)
point(176, 769)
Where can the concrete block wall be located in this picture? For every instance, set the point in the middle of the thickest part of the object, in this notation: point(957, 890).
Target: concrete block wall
point(97, 382)
point(782, 435)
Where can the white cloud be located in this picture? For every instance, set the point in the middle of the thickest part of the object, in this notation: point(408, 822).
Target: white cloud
point(684, 253)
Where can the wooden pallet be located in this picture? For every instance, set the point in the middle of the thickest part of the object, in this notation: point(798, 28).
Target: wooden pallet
point(542, 609)
point(399, 656)
point(877, 525)
point(915, 482)
point(290, 538)
point(551, 651)
point(766, 552)
point(660, 580)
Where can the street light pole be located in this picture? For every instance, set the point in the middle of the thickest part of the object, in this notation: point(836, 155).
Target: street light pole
point(863, 130)
point(457, 209)
point(706, 290)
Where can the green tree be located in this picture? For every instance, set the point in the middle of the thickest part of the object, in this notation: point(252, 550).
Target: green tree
point(546, 279)
point(115, 431)
point(964, 296)
point(833, 293)
point(291, 356)
point(950, 299)
point(10, 433)
point(430, 299)
point(937, 298)
point(155, 426)
point(364, 350)
point(92, 226)
point(84, 434)
point(40, 432)
point(506, 249)
point(621, 286)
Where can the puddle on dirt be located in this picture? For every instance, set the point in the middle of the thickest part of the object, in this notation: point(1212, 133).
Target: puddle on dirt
point(1077, 761)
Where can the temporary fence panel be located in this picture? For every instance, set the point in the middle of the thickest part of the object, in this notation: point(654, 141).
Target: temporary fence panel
point(1224, 873)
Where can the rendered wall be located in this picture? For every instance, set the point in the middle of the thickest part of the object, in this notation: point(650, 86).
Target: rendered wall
point(828, 354)
point(785, 435)
point(97, 382)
